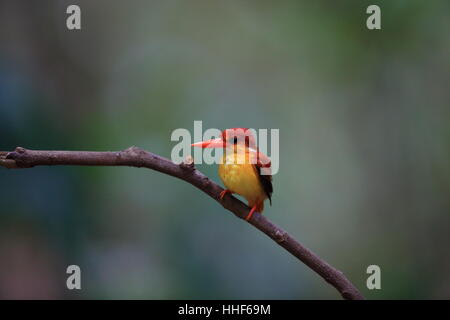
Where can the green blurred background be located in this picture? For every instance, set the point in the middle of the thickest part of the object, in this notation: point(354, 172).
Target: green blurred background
point(365, 146)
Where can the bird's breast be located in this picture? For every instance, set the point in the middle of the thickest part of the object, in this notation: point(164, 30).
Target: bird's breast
point(241, 178)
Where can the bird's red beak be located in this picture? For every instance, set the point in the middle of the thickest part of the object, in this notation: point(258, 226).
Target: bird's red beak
point(213, 143)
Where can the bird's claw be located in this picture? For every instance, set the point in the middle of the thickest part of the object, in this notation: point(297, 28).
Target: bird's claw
point(250, 214)
point(223, 193)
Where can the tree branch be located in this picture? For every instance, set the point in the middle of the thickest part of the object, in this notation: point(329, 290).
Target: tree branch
point(136, 157)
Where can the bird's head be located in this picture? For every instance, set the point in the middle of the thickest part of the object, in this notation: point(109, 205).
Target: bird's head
point(230, 138)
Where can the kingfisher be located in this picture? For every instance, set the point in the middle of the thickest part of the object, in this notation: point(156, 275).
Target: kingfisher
point(241, 167)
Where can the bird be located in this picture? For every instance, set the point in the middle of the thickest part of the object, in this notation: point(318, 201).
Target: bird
point(241, 166)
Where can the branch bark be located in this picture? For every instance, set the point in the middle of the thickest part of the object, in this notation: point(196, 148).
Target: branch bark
point(136, 157)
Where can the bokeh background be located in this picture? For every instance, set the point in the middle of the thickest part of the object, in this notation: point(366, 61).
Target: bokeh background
point(365, 146)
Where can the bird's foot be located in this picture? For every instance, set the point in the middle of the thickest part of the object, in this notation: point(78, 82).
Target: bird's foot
point(223, 193)
point(250, 214)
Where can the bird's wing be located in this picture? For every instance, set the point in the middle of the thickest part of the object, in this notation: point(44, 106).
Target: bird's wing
point(263, 161)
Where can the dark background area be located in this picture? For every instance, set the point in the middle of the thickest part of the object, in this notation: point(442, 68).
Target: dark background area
point(364, 146)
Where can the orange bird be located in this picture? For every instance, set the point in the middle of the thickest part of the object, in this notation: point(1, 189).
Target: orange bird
point(240, 170)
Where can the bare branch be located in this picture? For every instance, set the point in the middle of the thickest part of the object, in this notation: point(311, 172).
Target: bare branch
point(136, 157)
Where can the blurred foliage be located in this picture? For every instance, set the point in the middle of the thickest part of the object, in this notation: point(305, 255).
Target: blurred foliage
point(365, 146)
